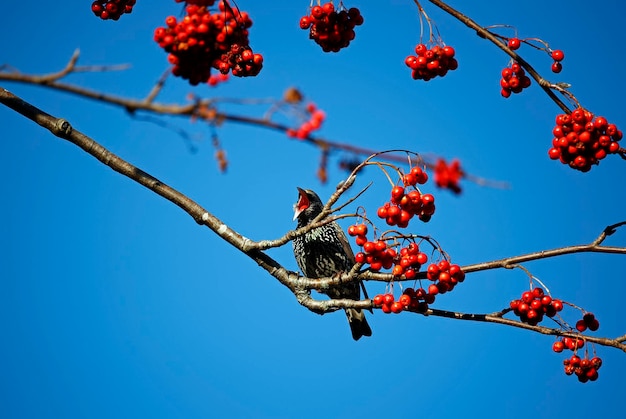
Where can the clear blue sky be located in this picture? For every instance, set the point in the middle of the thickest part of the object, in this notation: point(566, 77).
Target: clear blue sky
point(114, 303)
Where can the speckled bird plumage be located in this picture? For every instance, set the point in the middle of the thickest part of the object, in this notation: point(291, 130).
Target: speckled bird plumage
point(325, 252)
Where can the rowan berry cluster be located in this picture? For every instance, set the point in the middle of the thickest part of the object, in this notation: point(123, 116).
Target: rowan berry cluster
point(406, 204)
point(447, 176)
point(514, 80)
point(584, 368)
point(573, 344)
point(581, 141)
point(445, 277)
point(374, 253)
point(330, 28)
point(431, 62)
point(534, 304)
point(111, 9)
point(202, 41)
point(588, 321)
point(409, 262)
point(316, 117)
point(407, 301)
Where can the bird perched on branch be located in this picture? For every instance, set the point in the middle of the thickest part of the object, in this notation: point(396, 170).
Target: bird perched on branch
point(325, 252)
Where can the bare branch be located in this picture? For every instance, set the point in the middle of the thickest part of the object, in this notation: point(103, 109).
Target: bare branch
point(196, 109)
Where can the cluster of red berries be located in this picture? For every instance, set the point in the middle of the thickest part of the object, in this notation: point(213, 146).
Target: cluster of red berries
point(409, 300)
point(329, 28)
point(446, 275)
point(447, 176)
point(573, 344)
point(404, 205)
point(316, 117)
point(557, 55)
point(409, 262)
point(203, 40)
point(588, 321)
point(534, 304)
point(514, 80)
point(585, 369)
point(581, 141)
point(430, 63)
point(111, 9)
point(375, 253)
point(216, 79)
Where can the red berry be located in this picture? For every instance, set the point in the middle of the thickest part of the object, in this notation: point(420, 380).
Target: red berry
point(388, 299)
point(397, 193)
point(557, 55)
point(405, 299)
point(397, 307)
point(557, 304)
point(514, 43)
point(433, 289)
point(558, 346)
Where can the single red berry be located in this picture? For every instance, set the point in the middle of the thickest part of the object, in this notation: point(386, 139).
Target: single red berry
point(581, 326)
point(528, 297)
point(557, 304)
point(557, 67)
point(378, 299)
point(514, 43)
point(396, 307)
point(433, 289)
point(405, 300)
point(558, 346)
point(397, 193)
point(557, 55)
point(448, 51)
point(305, 22)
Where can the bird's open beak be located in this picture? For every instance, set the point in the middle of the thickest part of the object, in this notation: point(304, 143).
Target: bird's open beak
point(302, 204)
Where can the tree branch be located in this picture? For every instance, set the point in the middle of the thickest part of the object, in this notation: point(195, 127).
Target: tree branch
point(298, 285)
point(205, 109)
point(497, 318)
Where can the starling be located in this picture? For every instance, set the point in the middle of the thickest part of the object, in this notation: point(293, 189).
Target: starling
point(325, 252)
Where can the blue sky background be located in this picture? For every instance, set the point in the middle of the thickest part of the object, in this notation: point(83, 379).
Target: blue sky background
point(114, 303)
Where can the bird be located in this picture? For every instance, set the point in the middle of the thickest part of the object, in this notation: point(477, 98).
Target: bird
point(325, 252)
